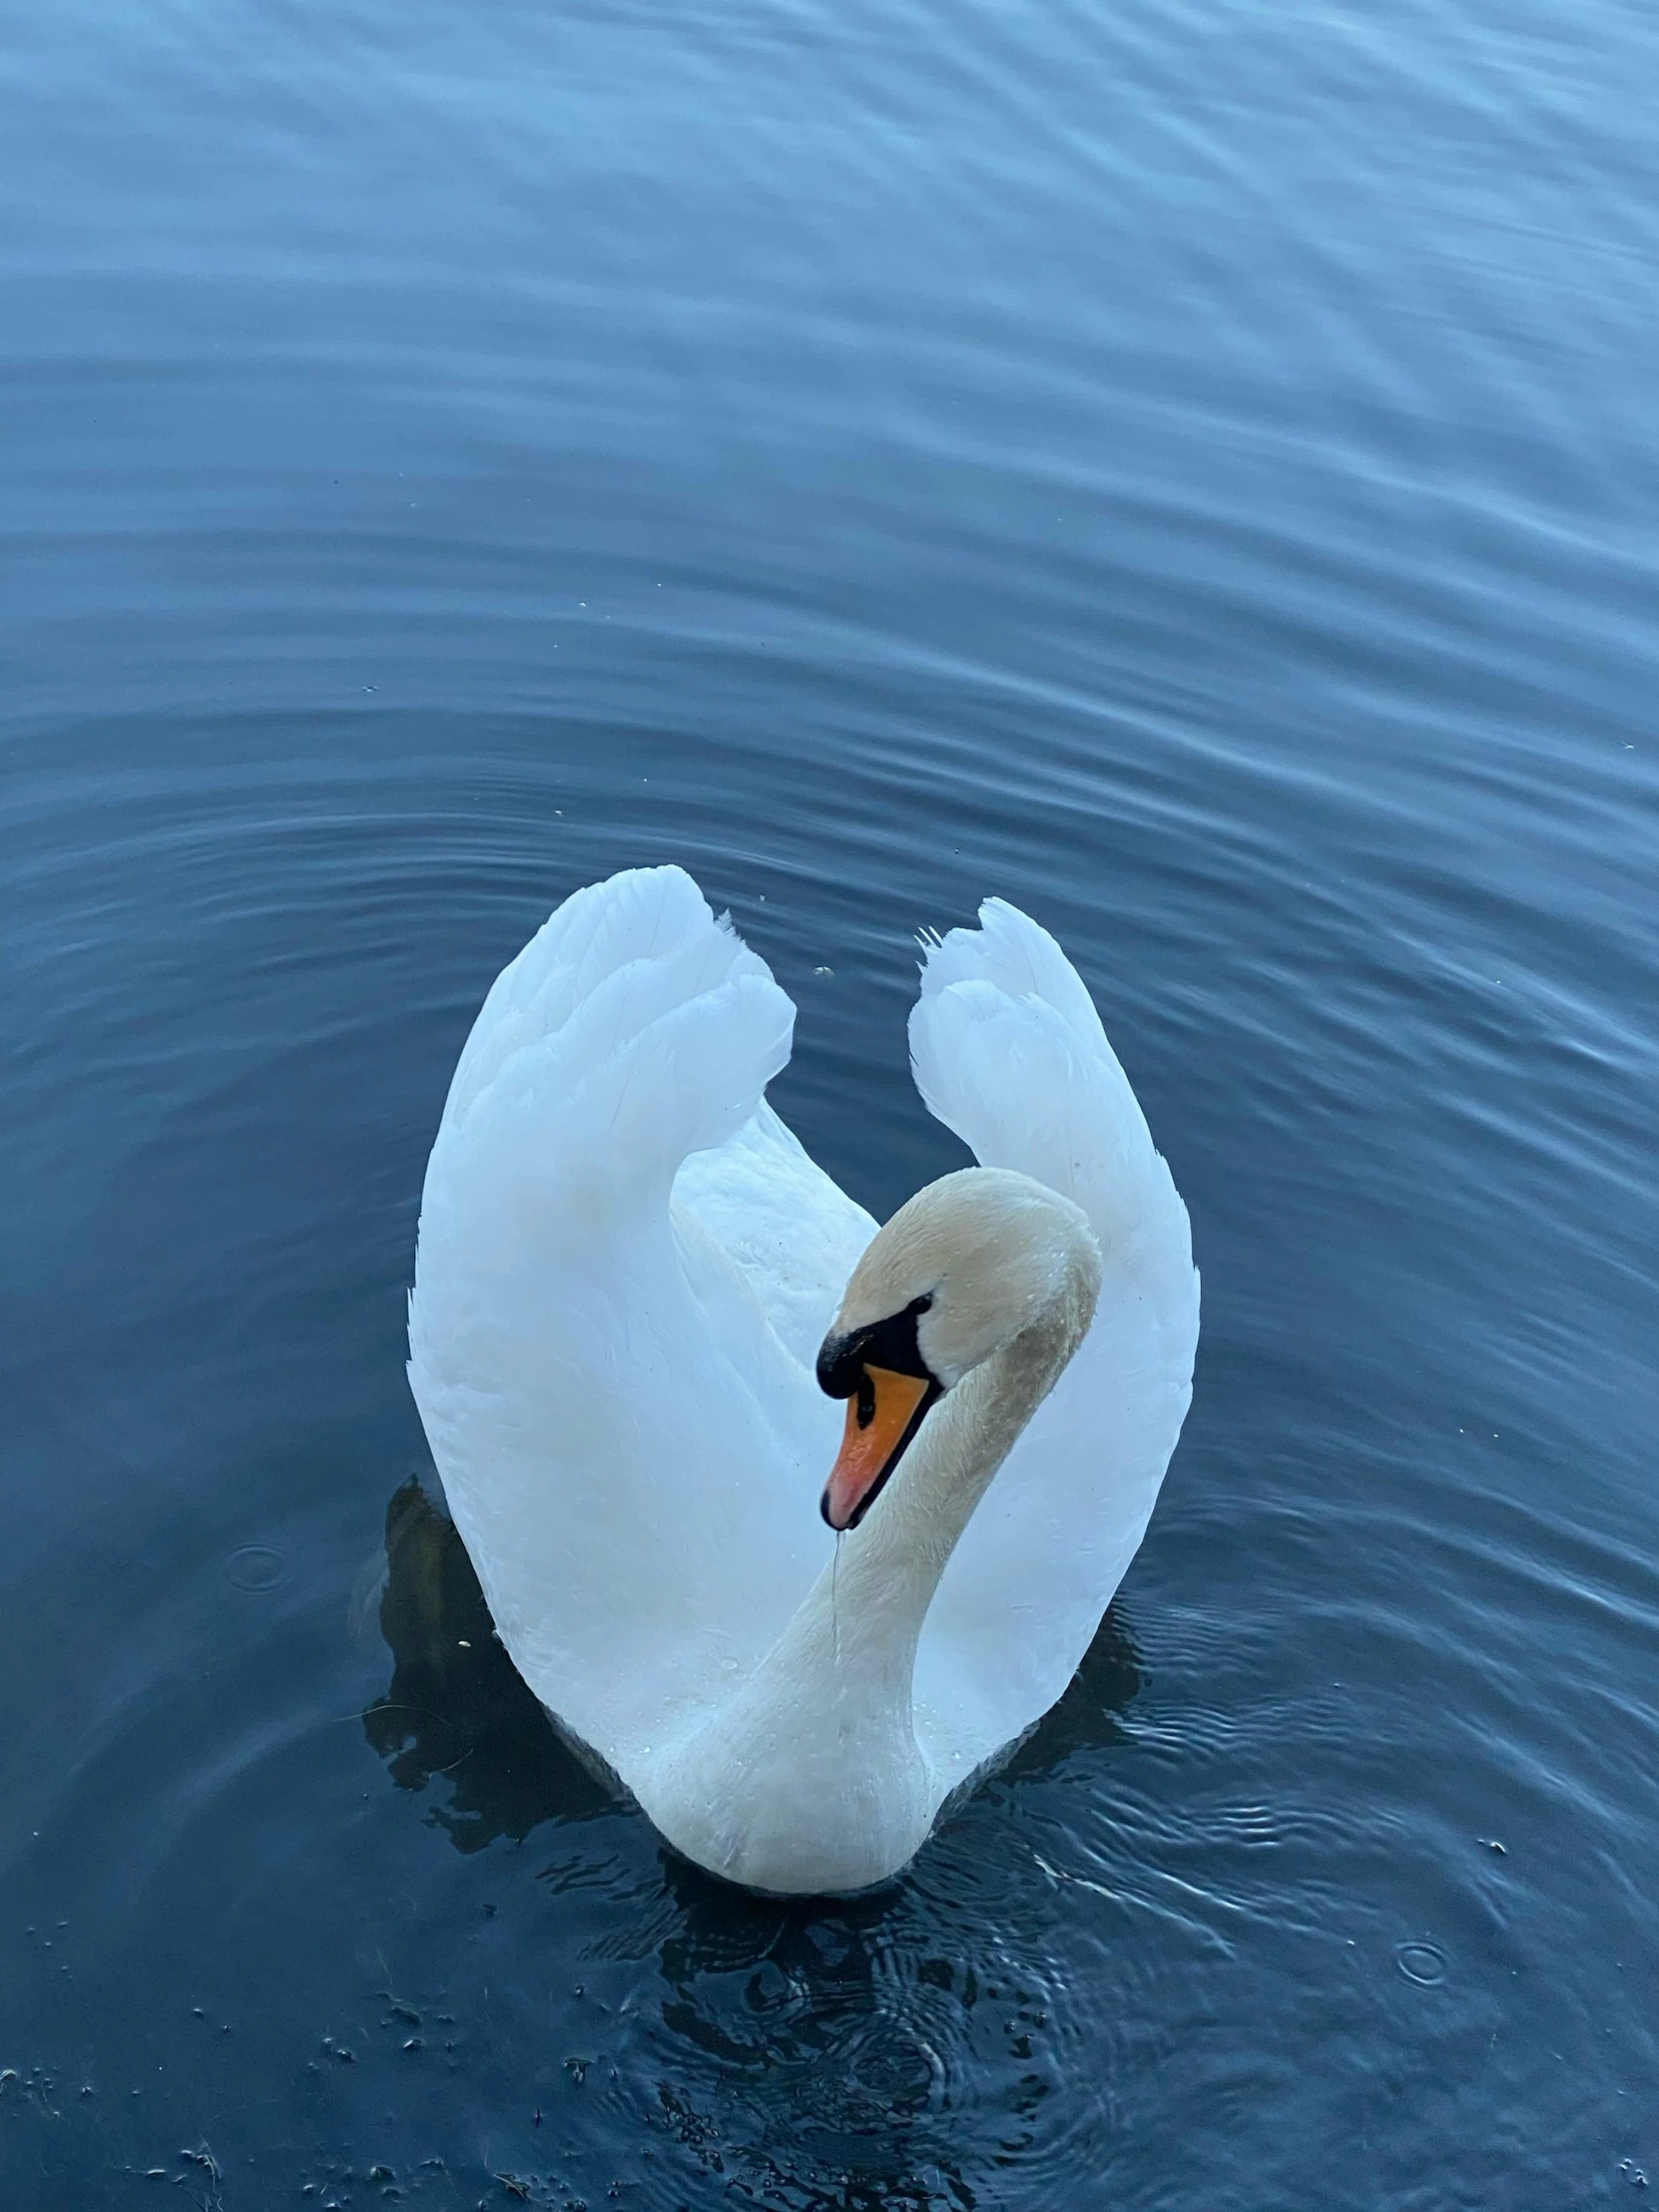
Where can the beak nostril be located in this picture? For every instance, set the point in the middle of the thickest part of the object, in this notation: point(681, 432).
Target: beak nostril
point(867, 1399)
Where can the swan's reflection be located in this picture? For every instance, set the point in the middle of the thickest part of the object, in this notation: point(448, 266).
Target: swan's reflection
point(805, 2027)
point(457, 1710)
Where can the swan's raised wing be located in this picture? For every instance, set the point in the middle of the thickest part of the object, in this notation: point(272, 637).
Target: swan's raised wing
point(1009, 1052)
point(631, 1447)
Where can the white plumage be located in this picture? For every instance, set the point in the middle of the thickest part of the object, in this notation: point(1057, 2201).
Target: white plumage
point(626, 1266)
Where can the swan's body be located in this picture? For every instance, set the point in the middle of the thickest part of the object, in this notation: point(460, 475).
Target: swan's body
point(627, 1267)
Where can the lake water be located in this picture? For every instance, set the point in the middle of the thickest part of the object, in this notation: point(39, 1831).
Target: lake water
point(1188, 468)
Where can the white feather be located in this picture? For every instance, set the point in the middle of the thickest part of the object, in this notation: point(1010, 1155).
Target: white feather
point(1009, 1052)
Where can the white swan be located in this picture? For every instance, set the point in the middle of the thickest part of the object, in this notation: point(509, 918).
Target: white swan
point(628, 1334)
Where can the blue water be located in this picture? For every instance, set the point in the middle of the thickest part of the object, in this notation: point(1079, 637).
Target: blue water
point(1188, 469)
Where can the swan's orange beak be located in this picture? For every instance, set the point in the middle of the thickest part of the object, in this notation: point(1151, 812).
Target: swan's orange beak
point(882, 1414)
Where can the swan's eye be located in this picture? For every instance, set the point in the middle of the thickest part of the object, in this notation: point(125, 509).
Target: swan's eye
point(887, 1346)
point(866, 1398)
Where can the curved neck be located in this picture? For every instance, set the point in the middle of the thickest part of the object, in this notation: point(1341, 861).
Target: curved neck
point(825, 1720)
point(889, 1568)
point(852, 1643)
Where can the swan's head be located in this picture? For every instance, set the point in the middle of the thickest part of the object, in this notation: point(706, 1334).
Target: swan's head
point(961, 1270)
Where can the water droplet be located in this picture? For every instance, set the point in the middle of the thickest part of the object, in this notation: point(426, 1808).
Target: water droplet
point(1420, 1962)
point(255, 1568)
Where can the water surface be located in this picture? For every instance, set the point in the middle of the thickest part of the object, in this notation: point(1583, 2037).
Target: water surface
point(1187, 468)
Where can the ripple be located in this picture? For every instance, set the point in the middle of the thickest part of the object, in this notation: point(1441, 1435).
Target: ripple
point(257, 1567)
point(1424, 1963)
point(878, 2071)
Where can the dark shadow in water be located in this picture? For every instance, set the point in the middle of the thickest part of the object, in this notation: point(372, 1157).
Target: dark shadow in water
point(1088, 1716)
point(458, 1711)
point(807, 2080)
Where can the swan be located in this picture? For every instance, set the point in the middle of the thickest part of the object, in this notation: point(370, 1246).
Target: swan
point(794, 1522)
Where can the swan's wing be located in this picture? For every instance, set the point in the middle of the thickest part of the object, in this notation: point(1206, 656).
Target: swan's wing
point(1009, 1052)
point(632, 1451)
point(790, 1228)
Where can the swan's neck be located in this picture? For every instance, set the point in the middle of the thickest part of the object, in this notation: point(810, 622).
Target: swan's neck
point(808, 1776)
point(852, 1646)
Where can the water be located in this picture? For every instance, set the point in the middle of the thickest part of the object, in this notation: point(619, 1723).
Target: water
point(1189, 469)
